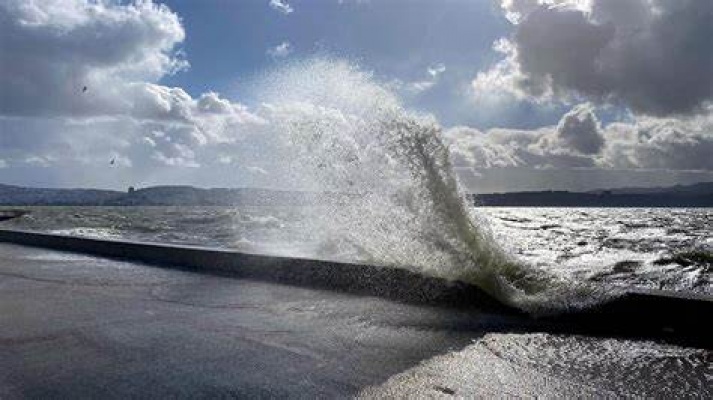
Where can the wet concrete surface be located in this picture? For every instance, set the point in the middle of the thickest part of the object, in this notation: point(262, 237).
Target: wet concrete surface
point(80, 326)
point(614, 311)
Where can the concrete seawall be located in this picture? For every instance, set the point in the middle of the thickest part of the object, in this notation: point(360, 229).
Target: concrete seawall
point(674, 317)
point(391, 283)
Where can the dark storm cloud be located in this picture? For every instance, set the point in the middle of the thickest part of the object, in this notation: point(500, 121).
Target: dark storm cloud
point(654, 56)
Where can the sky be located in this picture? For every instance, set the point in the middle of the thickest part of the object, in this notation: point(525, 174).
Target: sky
point(529, 94)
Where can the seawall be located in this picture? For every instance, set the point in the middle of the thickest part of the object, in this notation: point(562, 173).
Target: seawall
point(674, 317)
point(391, 283)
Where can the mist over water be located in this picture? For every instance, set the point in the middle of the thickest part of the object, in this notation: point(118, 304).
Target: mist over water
point(394, 197)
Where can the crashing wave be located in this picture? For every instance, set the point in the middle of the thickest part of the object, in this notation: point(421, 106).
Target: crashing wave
point(395, 199)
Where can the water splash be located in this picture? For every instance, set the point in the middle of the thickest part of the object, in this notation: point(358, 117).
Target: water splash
point(394, 198)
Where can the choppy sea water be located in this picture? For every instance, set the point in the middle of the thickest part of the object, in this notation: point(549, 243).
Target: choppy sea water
point(661, 248)
point(657, 248)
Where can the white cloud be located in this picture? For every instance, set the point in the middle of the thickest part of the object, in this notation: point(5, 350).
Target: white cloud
point(257, 170)
point(280, 51)
point(3, 163)
point(515, 10)
point(421, 86)
point(60, 47)
point(436, 70)
point(176, 155)
point(281, 6)
point(678, 144)
point(433, 72)
point(212, 103)
point(81, 88)
point(504, 79)
point(652, 56)
point(40, 161)
point(578, 141)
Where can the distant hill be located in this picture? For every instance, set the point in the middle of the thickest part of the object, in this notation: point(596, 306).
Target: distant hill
point(23, 196)
point(697, 195)
point(191, 196)
point(696, 188)
point(151, 196)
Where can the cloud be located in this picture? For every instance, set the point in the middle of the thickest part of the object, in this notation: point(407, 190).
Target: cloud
point(672, 144)
point(503, 81)
point(257, 170)
point(436, 70)
point(212, 103)
point(281, 6)
point(60, 47)
point(177, 155)
point(420, 86)
point(54, 128)
point(578, 141)
point(515, 10)
point(40, 161)
point(79, 88)
point(652, 56)
point(433, 72)
point(579, 130)
point(280, 51)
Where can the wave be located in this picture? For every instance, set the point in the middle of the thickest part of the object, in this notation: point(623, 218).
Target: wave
point(396, 200)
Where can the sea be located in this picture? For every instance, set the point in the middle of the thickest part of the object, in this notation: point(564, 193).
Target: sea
point(655, 248)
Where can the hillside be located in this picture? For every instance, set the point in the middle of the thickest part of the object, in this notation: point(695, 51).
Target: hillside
point(697, 195)
point(151, 196)
point(23, 196)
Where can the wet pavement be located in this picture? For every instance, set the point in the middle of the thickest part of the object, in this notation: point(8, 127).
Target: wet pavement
point(80, 326)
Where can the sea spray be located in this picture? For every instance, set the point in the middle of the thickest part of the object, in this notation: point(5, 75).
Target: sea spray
point(392, 196)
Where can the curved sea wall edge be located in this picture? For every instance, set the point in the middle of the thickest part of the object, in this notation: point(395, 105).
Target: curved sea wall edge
point(674, 317)
point(392, 283)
